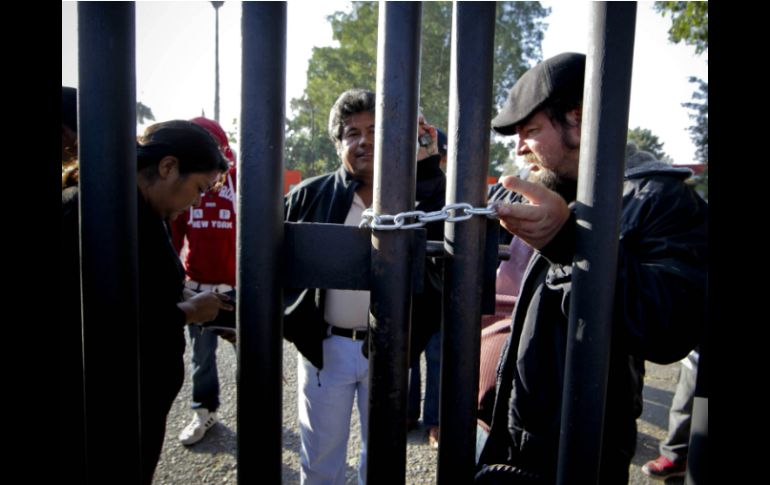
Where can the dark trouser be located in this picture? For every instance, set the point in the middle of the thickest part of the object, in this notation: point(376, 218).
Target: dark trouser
point(205, 376)
point(72, 450)
point(613, 469)
point(432, 370)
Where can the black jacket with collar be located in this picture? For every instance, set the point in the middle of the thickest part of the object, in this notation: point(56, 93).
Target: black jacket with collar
point(659, 306)
point(327, 199)
point(161, 327)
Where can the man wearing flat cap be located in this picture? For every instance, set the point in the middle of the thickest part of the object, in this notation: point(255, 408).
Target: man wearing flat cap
point(659, 296)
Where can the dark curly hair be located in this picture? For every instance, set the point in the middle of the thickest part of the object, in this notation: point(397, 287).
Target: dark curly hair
point(349, 103)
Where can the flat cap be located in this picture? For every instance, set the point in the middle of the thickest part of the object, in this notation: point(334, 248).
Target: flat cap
point(560, 76)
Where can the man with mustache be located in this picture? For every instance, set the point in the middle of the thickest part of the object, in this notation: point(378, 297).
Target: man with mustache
point(660, 290)
point(330, 327)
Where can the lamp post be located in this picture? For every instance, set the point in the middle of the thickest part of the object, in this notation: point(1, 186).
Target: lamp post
point(216, 60)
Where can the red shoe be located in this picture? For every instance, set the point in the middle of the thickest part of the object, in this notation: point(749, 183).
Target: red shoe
point(661, 467)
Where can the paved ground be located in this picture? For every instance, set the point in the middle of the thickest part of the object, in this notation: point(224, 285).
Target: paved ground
point(212, 461)
point(659, 386)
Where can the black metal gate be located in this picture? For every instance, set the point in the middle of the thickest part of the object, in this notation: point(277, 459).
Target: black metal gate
point(268, 248)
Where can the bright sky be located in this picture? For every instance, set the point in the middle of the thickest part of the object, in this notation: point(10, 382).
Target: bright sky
point(175, 60)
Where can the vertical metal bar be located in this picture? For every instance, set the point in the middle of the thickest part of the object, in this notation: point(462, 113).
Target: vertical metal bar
point(470, 109)
point(260, 238)
point(398, 71)
point(600, 183)
point(697, 457)
point(217, 5)
point(698, 450)
point(107, 129)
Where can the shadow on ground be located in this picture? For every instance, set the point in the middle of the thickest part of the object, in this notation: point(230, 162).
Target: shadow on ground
point(219, 439)
point(657, 402)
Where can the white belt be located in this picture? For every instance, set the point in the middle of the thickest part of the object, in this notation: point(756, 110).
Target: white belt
point(194, 285)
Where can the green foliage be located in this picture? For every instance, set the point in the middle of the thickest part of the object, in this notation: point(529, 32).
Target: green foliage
point(699, 112)
point(352, 64)
point(143, 113)
point(435, 62)
point(331, 71)
point(646, 140)
point(232, 132)
point(307, 146)
point(501, 159)
point(518, 37)
point(701, 183)
point(699, 132)
point(689, 23)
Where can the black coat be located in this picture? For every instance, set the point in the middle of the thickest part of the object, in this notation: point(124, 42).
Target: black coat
point(659, 308)
point(327, 199)
point(161, 326)
point(70, 364)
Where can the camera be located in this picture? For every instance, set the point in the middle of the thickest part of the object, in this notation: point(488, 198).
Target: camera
point(424, 139)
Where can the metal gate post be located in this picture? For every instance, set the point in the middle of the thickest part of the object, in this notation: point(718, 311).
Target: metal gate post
point(259, 243)
point(107, 122)
point(470, 106)
point(698, 455)
point(600, 183)
point(398, 71)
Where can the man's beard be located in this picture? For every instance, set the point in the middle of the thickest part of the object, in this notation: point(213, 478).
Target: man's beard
point(560, 184)
point(549, 179)
point(563, 186)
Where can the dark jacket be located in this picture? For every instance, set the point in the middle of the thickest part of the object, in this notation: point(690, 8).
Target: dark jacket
point(659, 307)
point(161, 322)
point(327, 199)
point(427, 307)
point(72, 461)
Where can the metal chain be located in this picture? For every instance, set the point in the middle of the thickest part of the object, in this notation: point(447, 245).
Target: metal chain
point(457, 212)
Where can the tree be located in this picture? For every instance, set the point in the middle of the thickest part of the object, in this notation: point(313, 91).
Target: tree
point(689, 23)
point(699, 132)
point(332, 70)
point(649, 142)
point(232, 133)
point(699, 106)
point(143, 113)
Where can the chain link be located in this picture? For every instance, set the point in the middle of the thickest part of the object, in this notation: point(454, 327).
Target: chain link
point(461, 211)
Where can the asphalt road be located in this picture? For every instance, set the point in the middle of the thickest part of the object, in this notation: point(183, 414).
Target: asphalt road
point(213, 460)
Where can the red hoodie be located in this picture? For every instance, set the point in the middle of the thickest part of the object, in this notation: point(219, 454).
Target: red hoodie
point(210, 232)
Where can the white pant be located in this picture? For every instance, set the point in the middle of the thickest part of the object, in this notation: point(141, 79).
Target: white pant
point(325, 402)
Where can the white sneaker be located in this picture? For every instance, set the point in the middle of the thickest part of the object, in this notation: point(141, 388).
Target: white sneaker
point(201, 422)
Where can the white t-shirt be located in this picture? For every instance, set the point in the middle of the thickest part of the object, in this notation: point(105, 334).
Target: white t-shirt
point(349, 308)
